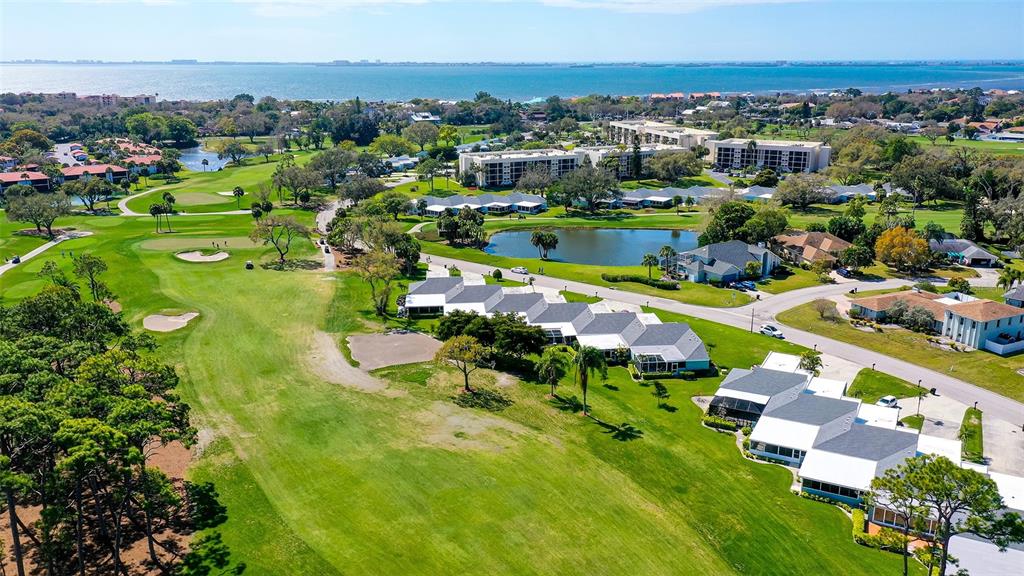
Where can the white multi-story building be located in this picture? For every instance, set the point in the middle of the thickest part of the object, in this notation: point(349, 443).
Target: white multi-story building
point(598, 155)
point(651, 132)
point(779, 155)
point(493, 169)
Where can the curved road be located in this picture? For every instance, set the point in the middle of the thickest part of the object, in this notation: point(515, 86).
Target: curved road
point(993, 404)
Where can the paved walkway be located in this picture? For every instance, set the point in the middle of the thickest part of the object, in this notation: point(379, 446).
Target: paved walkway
point(32, 254)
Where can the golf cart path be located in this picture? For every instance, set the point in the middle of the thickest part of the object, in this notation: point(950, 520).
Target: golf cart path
point(39, 250)
point(122, 206)
point(994, 405)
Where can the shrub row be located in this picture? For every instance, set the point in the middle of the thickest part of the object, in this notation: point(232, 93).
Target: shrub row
point(822, 499)
point(719, 423)
point(656, 283)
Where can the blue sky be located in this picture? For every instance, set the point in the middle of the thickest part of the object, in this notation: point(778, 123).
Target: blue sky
point(510, 31)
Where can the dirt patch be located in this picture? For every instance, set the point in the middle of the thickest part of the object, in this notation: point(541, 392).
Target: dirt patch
point(448, 426)
point(197, 256)
point(327, 362)
point(162, 323)
point(114, 305)
point(171, 459)
point(374, 351)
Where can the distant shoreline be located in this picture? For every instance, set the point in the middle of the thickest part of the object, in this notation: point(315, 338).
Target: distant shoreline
point(673, 64)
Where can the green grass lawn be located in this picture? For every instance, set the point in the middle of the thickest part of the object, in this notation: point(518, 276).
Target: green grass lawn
point(972, 435)
point(990, 146)
point(945, 213)
point(442, 187)
point(870, 385)
point(915, 421)
point(12, 244)
point(319, 478)
point(197, 192)
point(981, 368)
point(788, 278)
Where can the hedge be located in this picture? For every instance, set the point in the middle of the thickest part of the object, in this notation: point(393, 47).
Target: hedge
point(719, 423)
point(656, 283)
point(859, 535)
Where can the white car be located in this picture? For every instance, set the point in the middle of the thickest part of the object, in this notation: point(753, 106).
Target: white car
point(520, 270)
point(888, 402)
point(769, 330)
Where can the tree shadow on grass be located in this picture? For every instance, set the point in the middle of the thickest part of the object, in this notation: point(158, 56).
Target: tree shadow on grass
point(668, 408)
point(570, 404)
point(611, 387)
point(624, 432)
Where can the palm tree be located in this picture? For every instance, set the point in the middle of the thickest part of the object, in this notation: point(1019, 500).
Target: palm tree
point(155, 210)
point(587, 361)
point(649, 260)
point(238, 193)
point(667, 254)
point(169, 201)
point(205, 163)
point(537, 239)
point(552, 367)
point(1006, 278)
point(752, 148)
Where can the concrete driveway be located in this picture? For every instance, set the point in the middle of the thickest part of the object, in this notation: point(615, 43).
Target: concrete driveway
point(942, 415)
point(1004, 445)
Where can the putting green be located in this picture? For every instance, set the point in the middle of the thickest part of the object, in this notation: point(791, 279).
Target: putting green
point(197, 198)
point(177, 243)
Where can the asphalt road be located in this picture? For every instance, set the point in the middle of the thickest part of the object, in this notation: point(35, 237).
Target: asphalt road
point(994, 405)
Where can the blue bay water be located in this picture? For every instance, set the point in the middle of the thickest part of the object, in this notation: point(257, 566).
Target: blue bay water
point(520, 83)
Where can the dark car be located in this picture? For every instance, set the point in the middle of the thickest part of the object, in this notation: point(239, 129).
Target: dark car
point(844, 272)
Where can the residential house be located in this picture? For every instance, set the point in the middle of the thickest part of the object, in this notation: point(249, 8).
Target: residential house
point(1015, 296)
point(875, 307)
point(513, 202)
point(787, 431)
point(647, 198)
point(7, 162)
point(838, 193)
point(722, 262)
point(964, 252)
point(37, 180)
point(810, 247)
point(109, 171)
point(744, 394)
point(842, 468)
point(755, 193)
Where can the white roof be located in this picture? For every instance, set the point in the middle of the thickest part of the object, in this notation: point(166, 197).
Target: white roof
point(740, 395)
point(478, 307)
point(601, 341)
point(566, 328)
point(659, 198)
point(979, 557)
point(1011, 488)
point(951, 449)
point(648, 318)
point(436, 208)
point(784, 433)
point(881, 416)
point(424, 300)
point(826, 387)
point(838, 469)
point(527, 203)
point(782, 362)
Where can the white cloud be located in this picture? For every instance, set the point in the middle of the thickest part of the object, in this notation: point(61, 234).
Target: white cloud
point(658, 6)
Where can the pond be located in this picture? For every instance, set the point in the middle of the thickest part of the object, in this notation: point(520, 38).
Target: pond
point(600, 246)
point(192, 158)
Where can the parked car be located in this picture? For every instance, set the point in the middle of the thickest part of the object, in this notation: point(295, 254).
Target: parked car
point(844, 272)
point(888, 402)
point(769, 330)
point(738, 286)
point(520, 270)
point(748, 285)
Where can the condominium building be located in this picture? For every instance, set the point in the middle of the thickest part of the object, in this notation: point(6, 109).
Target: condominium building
point(651, 132)
point(600, 155)
point(505, 168)
point(779, 155)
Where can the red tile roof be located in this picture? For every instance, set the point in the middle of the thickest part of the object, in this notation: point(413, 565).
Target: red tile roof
point(94, 169)
point(16, 177)
point(143, 160)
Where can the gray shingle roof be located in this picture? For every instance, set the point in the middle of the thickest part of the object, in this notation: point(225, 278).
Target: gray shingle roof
point(675, 335)
point(563, 312)
point(609, 323)
point(521, 303)
point(733, 252)
point(436, 285)
point(813, 409)
point(869, 442)
point(474, 294)
point(1017, 293)
point(960, 246)
point(761, 380)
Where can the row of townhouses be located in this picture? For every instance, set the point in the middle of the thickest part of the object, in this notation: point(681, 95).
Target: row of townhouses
point(653, 347)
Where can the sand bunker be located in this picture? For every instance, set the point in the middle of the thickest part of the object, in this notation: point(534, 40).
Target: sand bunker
point(326, 361)
point(197, 256)
point(162, 323)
